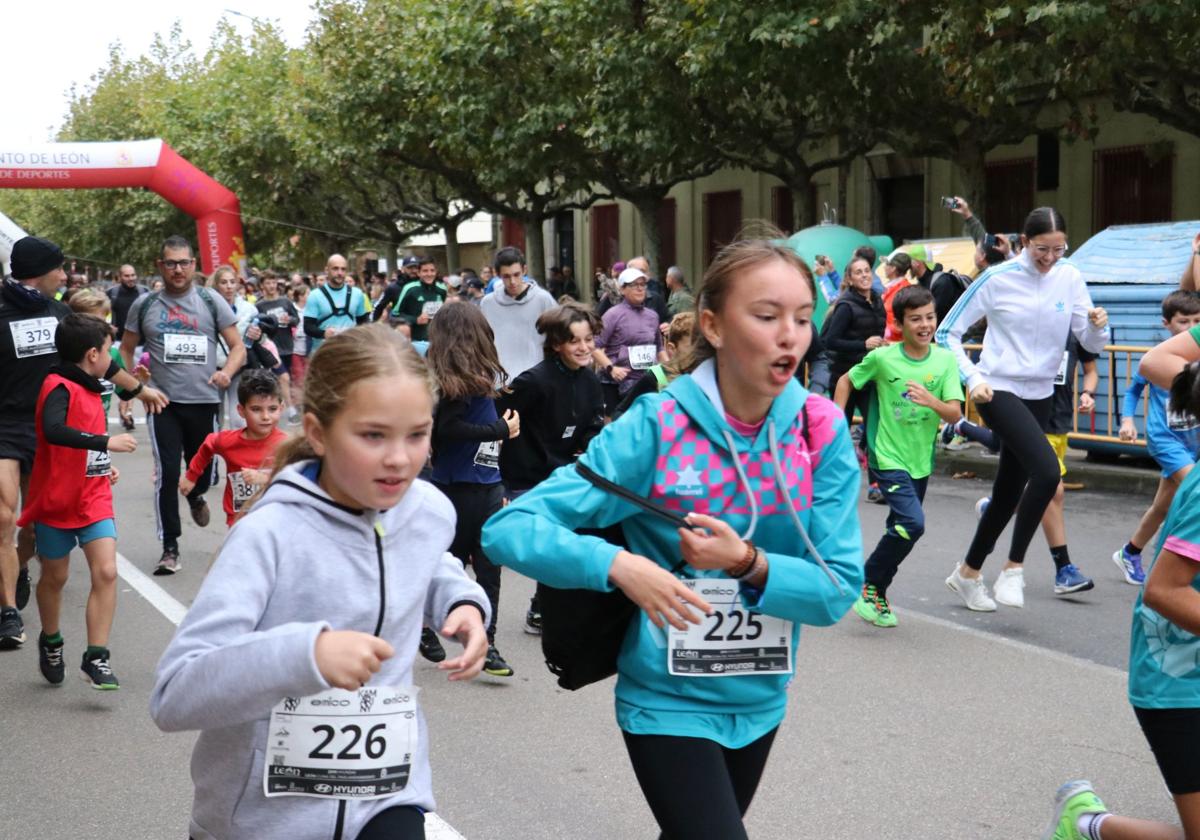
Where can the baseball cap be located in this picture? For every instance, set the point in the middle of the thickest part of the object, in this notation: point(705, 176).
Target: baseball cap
point(474, 283)
point(630, 275)
point(453, 281)
point(918, 253)
point(409, 261)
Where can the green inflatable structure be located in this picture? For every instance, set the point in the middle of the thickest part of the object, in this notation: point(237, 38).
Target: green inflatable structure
point(837, 242)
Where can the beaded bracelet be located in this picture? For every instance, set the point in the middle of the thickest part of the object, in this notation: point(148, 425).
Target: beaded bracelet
point(747, 562)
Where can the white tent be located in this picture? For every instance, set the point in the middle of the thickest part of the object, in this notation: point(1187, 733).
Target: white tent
point(10, 232)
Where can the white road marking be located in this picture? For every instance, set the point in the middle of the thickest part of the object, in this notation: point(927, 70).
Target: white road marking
point(435, 827)
point(145, 586)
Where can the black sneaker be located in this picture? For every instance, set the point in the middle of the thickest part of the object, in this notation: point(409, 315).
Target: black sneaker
point(12, 630)
point(533, 622)
point(495, 665)
point(430, 646)
point(200, 513)
point(50, 660)
point(22, 587)
point(169, 563)
point(127, 422)
point(97, 674)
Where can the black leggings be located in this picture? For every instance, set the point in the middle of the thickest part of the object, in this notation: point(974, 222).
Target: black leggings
point(696, 788)
point(1026, 479)
point(474, 504)
point(401, 823)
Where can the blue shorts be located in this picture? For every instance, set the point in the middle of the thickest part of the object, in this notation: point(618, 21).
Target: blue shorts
point(56, 543)
point(1171, 455)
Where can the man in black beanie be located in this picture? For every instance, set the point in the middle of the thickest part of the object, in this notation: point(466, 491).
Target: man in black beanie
point(29, 317)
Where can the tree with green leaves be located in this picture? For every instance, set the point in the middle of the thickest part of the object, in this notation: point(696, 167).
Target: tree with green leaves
point(777, 84)
point(461, 90)
point(985, 74)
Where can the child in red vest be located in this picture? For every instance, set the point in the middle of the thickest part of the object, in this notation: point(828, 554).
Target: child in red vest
point(249, 453)
point(70, 495)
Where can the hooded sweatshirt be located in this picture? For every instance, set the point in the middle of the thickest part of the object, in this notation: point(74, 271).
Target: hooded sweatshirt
point(679, 448)
point(1029, 317)
point(514, 322)
point(28, 322)
point(561, 411)
point(298, 564)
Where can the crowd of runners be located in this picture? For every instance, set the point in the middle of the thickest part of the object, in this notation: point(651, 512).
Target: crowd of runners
point(671, 445)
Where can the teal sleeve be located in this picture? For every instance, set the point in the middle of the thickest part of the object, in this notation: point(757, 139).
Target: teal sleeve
point(797, 587)
point(535, 534)
point(864, 371)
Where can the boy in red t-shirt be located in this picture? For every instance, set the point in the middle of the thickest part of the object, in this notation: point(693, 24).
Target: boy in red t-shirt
point(249, 452)
point(70, 495)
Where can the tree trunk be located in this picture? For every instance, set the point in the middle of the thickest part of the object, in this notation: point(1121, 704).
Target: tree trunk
point(647, 207)
point(535, 248)
point(453, 257)
point(393, 257)
point(843, 180)
point(801, 189)
point(973, 172)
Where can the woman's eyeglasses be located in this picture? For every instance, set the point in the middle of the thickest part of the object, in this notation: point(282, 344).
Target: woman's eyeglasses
point(1046, 250)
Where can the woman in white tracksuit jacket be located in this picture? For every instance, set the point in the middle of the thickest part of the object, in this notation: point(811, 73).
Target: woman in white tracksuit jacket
point(1031, 304)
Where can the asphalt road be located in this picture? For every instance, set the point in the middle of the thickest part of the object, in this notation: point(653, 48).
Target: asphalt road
point(952, 725)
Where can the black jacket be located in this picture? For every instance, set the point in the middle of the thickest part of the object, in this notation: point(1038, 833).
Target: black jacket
point(561, 411)
point(21, 375)
point(848, 324)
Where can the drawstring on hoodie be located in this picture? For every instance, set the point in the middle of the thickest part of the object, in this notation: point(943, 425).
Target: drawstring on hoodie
point(773, 446)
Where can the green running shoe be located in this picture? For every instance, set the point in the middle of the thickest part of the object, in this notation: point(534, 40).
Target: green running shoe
point(1073, 800)
point(886, 617)
point(865, 606)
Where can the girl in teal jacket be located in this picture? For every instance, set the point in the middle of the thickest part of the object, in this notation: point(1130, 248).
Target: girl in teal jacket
point(766, 476)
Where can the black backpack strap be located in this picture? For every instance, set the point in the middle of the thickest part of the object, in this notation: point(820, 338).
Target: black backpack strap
point(804, 424)
point(628, 495)
point(141, 318)
point(336, 310)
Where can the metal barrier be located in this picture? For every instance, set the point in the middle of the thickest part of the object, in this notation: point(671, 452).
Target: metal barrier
point(1120, 369)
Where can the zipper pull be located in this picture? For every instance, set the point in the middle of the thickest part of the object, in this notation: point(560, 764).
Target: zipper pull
point(379, 529)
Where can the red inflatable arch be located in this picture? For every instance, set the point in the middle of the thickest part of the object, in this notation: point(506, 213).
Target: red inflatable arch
point(142, 163)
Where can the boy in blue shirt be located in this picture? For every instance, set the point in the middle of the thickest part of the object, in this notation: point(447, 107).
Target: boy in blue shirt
point(1172, 438)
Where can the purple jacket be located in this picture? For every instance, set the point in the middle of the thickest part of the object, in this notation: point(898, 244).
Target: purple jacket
point(628, 327)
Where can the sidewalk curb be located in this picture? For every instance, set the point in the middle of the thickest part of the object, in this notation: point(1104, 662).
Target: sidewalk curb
point(1127, 478)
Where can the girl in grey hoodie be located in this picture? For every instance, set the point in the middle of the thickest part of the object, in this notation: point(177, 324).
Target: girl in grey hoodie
point(295, 660)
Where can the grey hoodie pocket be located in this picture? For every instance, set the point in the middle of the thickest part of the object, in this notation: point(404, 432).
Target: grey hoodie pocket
point(251, 792)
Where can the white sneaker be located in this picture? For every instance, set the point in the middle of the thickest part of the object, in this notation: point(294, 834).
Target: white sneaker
point(1010, 588)
point(973, 591)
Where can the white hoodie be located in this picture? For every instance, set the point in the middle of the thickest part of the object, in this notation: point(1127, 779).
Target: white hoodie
point(298, 564)
point(1029, 316)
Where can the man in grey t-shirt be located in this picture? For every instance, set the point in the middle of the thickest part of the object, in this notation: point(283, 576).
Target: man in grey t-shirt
point(179, 328)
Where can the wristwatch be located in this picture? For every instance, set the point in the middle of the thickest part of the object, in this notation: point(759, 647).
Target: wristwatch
point(608, 370)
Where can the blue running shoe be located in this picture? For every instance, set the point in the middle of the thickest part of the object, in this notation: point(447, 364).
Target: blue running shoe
point(1069, 579)
point(1131, 566)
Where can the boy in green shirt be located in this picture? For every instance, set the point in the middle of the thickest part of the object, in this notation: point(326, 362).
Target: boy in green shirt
point(917, 386)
